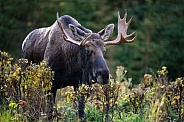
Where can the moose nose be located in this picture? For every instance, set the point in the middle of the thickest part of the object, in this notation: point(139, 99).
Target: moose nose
point(102, 76)
point(103, 72)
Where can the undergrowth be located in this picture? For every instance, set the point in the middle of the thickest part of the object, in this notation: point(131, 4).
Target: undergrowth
point(24, 86)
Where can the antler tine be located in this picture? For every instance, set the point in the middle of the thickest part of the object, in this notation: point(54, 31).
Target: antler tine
point(119, 15)
point(132, 40)
point(68, 38)
point(57, 15)
point(83, 42)
point(122, 31)
point(130, 20)
point(131, 34)
point(125, 15)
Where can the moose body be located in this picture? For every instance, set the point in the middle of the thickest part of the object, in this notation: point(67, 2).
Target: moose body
point(72, 51)
point(64, 58)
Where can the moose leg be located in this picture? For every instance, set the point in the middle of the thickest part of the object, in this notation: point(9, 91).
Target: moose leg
point(80, 106)
point(51, 101)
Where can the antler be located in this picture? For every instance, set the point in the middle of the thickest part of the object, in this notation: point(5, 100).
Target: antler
point(122, 30)
point(68, 38)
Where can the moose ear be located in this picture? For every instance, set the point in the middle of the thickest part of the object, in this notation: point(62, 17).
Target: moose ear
point(106, 32)
point(77, 32)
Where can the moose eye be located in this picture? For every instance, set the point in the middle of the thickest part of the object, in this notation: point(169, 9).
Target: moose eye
point(89, 52)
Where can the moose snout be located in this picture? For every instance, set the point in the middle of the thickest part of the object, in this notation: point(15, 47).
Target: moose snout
point(102, 76)
point(101, 70)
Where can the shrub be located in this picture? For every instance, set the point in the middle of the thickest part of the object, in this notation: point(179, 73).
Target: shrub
point(24, 85)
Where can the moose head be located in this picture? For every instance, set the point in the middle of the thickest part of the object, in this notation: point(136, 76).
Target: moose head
point(94, 44)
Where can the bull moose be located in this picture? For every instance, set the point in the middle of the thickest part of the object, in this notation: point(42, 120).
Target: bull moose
point(75, 53)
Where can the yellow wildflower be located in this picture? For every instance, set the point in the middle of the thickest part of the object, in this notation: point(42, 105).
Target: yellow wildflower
point(12, 104)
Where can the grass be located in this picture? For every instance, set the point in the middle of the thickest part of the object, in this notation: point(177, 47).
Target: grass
point(5, 116)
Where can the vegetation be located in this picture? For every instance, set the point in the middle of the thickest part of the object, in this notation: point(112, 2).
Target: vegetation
point(23, 88)
point(158, 24)
point(152, 93)
point(23, 94)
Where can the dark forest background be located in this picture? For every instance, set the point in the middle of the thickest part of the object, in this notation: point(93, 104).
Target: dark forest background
point(159, 26)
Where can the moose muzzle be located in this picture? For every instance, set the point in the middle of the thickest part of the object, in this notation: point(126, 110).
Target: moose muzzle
point(101, 71)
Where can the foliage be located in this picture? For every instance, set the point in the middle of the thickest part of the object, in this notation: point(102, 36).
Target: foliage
point(24, 86)
point(5, 115)
point(154, 99)
point(23, 96)
point(159, 39)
